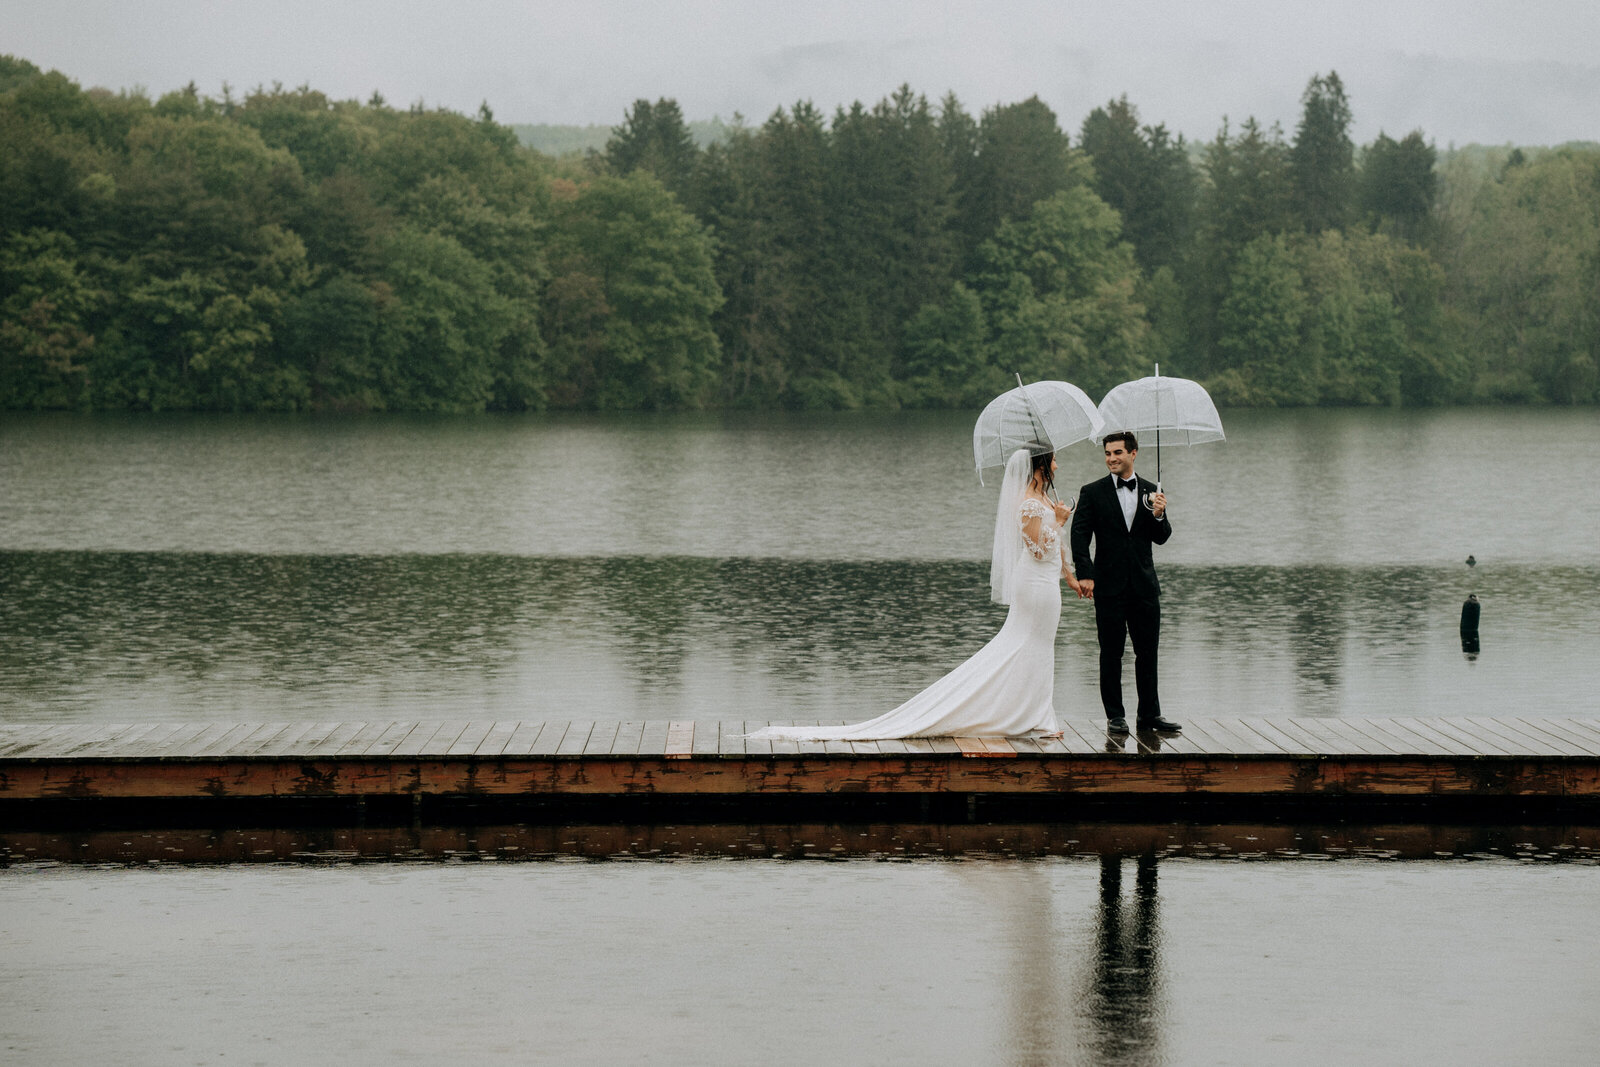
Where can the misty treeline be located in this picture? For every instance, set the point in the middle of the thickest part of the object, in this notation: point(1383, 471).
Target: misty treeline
point(282, 251)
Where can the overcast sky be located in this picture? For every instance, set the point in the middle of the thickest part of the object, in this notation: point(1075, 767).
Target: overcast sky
point(1461, 71)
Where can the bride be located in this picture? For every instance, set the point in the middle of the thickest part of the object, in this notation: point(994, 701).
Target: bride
point(1005, 689)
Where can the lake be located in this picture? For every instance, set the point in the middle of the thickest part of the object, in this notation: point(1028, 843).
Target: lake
point(776, 567)
point(761, 566)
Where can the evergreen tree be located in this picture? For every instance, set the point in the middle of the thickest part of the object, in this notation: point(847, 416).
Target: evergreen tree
point(1146, 175)
point(654, 138)
point(1022, 159)
point(1399, 185)
point(1322, 161)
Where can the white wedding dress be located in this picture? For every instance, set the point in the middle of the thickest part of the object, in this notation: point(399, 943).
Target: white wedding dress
point(1006, 688)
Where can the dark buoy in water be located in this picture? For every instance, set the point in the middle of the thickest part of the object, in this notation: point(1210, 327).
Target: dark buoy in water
point(1469, 626)
point(1472, 561)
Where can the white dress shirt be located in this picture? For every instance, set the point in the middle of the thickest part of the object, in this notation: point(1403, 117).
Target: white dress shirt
point(1128, 500)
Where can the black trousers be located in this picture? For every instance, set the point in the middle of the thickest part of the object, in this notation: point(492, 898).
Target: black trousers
point(1117, 618)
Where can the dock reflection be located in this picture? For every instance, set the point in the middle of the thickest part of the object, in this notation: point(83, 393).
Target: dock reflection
point(1144, 843)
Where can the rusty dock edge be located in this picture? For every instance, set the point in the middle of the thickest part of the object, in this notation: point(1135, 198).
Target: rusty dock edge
point(1486, 763)
point(1234, 777)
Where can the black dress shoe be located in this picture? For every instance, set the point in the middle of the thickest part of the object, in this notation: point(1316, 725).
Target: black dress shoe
point(1116, 726)
point(1160, 725)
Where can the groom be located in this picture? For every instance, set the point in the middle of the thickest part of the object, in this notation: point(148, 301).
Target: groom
point(1121, 578)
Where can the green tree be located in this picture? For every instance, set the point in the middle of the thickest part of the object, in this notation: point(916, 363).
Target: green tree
point(654, 138)
point(1525, 277)
point(1322, 161)
point(1146, 176)
point(1399, 185)
point(1262, 360)
point(45, 300)
point(1022, 159)
point(947, 359)
point(629, 306)
point(1058, 291)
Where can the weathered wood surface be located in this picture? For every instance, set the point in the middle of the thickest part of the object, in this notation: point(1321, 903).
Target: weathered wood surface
point(1501, 756)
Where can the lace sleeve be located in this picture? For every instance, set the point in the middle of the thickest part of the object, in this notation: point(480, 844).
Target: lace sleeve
point(1040, 535)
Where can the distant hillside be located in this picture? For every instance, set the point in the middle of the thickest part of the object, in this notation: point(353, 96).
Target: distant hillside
point(570, 140)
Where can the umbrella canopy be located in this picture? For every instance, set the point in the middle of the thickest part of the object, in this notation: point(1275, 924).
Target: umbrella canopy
point(1179, 410)
point(1041, 417)
point(1175, 408)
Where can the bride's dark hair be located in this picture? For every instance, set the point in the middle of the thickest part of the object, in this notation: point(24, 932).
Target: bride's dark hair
point(1041, 468)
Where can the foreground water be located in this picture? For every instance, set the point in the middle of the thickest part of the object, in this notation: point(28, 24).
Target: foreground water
point(785, 568)
point(1109, 960)
point(763, 567)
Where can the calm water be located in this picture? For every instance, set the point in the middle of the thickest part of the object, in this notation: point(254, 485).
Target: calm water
point(1108, 960)
point(758, 567)
point(783, 568)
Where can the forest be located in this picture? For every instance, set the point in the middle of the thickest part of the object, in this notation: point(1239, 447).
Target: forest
point(281, 251)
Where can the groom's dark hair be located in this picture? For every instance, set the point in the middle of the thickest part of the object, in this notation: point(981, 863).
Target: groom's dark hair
point(1125, 436)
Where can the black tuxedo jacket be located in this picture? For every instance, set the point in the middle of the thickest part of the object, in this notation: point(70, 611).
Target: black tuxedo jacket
point(1122, 559)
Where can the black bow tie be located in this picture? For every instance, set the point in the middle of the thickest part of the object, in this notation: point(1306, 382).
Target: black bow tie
point(1131, 483)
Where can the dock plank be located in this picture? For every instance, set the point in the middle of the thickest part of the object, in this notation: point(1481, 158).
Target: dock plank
point(35, 739)
point(226, 740)
point(1080, 738)
point(335, 740)
point(471, 736)
point(730, 738)
point(114, 738)
point(653, 738)
point(64, 741)
point(522, 739)
point(1338, 735)
point(1285, 736)
point(753, 747)
point(601, 738)
point(1483, 746)
point(1240, 741)
point(1381, 741)
point(391, 738)
point(1194, 730)
point(781, 748)
point(247, 742)
point(1495, 742)
point(1444, 741)
point(1403, 742)
point(137, 744)
point(628, 738)
point(680, 739)
point(578, 732)
point(1514, 757)
point(363, 739)
point(439, 744)
point(494, 742)
point(707, 738)
point(1587, 727)
point(1589, 746)
point(264, 741)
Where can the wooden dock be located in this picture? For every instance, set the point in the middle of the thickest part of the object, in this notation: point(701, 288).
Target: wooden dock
point(1519, 757)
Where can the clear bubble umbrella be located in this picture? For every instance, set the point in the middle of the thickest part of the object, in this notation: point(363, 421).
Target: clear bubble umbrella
point(1175, 407)
point(1040, 416)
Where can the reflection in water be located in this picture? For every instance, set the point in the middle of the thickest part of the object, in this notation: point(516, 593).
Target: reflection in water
point(136, 636)
point(657, 485)
point(1123, 1004)
point(804, 841)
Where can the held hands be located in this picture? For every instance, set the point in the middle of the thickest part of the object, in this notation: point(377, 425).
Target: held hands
point(1084, 587)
